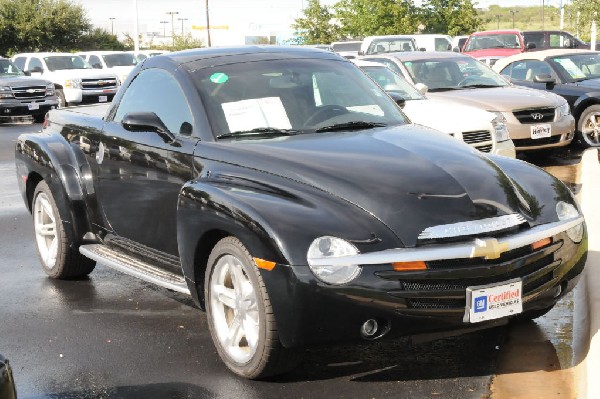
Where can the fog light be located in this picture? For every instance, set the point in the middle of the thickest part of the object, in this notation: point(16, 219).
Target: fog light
point(369, 328)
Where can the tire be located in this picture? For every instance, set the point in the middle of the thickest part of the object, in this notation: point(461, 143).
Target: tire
point(588, 126)
point(254, 350)
point(62, 102)
point(39, 118)
point(59, 258)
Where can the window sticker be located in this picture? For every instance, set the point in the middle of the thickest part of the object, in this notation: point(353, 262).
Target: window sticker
point(570, 67)
point(256, 113)
point(219, 78)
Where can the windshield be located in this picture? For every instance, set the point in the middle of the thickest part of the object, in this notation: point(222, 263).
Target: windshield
point(119, 59)
point(350, 46)
point(391, 82)
point(292, 95)
point(504, 40)
point(579, 67)
point(391, 45)
point(7, 68)
point(453, 74)
point(60, 62)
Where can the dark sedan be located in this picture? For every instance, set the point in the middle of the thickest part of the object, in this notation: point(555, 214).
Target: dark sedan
point(572, 74)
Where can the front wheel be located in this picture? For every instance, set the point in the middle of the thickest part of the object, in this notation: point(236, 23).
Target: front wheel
point(240, 317)
point(588, 126)
point(59, 259)
point(62, 102)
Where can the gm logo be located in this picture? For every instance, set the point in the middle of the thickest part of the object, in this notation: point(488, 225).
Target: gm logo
point(480, 304)
point(537, 116)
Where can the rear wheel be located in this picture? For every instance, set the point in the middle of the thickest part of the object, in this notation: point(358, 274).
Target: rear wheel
point(62, 102)
point(240, 317)
point(588, 126)
point(59, 259)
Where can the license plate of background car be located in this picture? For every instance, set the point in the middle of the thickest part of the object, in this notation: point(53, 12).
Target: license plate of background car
point(103, 99)
point(488, 302)
point(33, 106)
point(541, 131)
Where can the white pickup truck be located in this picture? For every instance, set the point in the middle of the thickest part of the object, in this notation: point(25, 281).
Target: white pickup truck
point(75, 80)
point(118, 62)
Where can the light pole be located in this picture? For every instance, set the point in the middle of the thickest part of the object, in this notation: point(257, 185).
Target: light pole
point(112, 25)
point(164, 27)
point(172, 14)
point(207, 24)
point(513, 12)
point(498, 20)
point(182, 19)
point(542, 14)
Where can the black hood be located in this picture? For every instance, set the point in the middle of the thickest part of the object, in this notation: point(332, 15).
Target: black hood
point(409, 177)
point(22, 81)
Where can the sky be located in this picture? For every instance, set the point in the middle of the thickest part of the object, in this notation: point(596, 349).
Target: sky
point(249, 16)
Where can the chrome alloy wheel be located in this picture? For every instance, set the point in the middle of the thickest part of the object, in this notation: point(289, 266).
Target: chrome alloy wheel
point(44, 222)
point(591, 128)
point(234, 308)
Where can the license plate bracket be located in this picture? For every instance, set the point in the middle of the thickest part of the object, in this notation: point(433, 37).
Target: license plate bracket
point(541, 131)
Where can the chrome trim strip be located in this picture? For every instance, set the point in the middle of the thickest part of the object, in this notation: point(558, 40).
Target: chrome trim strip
point(472, 227)
point(449, 251)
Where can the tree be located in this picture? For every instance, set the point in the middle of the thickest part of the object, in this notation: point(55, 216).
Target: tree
point(41, 25)
point(316, 26)
point(359, 18)
point(590, 11)
point(452, 17)
point(183, 42)
point(99, 39)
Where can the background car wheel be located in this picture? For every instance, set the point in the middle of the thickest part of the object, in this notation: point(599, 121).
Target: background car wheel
point(39, 118)
point(62, 103)
point(240, 317)
point(588, 126)
point(59, 259)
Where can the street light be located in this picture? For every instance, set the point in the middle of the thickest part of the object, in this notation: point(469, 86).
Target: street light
point(164, 27)
point(172, 14)
point(498, 20)
point(182, 19)
point(207, 24)
point(542, 14)
point(513, 12)
point(112, 25)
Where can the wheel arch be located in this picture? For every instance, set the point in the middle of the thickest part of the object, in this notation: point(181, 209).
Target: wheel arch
point(583, 103)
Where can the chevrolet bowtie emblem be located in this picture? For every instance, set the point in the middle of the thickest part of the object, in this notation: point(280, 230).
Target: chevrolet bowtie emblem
point(489, 248)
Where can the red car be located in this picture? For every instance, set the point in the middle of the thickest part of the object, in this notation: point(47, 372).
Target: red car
point(489, 46)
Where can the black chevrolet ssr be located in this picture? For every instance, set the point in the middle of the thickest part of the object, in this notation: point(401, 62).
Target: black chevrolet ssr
point(293, 200)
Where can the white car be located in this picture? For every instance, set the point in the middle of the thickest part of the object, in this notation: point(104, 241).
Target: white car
point(141, 55)
point(119, 62)
point(349, 49)
point(74, 79)
point(481, 129)
point(433, 42)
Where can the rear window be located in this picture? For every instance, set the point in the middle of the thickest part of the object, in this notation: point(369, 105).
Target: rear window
point(503, 40)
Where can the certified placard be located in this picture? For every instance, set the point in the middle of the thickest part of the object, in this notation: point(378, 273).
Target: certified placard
point(490, 302)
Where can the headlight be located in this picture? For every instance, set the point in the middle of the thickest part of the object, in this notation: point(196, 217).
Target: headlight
point(566, 211)
point(500, 129)
point(6, 92)
point(50, 89)
point(332, 247)
point(564, 110)
point(73, 83)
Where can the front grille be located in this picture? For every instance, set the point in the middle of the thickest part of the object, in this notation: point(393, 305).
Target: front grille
point(481, 136)
point(435, 303)
point(540, 115)
point(29, 92)
point(536, 142)
point(96, 84)
point(484, 148)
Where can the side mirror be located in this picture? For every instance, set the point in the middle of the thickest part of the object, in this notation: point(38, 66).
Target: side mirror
point(27, 73)
point(397, 98)
point(37, 69)
point(456, 49)
point(361, 52)
point(147, 122)
point(530, 46)
point(422, 49)
point(545, 78)
point(422, 88)
point(97, 66)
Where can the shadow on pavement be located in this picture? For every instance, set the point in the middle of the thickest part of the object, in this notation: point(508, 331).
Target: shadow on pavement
point(148, 391)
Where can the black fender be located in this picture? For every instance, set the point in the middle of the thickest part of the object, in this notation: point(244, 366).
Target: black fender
point(276, 221)
point(580, 105)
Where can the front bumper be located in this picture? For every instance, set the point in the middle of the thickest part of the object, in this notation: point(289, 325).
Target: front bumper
point(15, 107)
point(414, 302)
point(505, 148)
point(563, 131)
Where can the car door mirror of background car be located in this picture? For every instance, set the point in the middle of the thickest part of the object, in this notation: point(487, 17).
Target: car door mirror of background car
point(147, 122)
point(397, 98)
point(545, 78)
point(36, 69)
point(531, 46)
point(422, 88)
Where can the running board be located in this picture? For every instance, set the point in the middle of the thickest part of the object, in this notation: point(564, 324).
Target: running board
point(134, 267)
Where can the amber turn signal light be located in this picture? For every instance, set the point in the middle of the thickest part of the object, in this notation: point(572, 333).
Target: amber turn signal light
point(264, 264)
point(407, 266)
point(541, 243)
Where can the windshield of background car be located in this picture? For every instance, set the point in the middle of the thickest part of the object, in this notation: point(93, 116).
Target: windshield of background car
point(119, 59)
point(60, 62)
point(302, 95)
point(391, 82)
point(391, 46)
point(355, 46)
point(579, 67)
point(7, 68)
point(503, 40)
point(453, 74)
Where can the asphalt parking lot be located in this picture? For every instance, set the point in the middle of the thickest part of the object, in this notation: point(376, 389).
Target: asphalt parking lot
point(112, 336)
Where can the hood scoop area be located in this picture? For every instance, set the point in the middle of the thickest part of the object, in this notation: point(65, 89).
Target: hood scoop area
point(473, 227)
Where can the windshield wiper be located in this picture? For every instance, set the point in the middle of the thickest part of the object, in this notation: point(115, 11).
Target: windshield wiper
point(260, 131)
point(356, 125)
point(443, 89)
point(478, 86)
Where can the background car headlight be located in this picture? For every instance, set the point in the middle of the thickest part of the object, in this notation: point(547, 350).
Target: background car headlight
point(500, 129)
point(332, 247)
point(50, 89)
point(564, 110)
point(6, 92)
point(566, 211)
point(73, 83)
